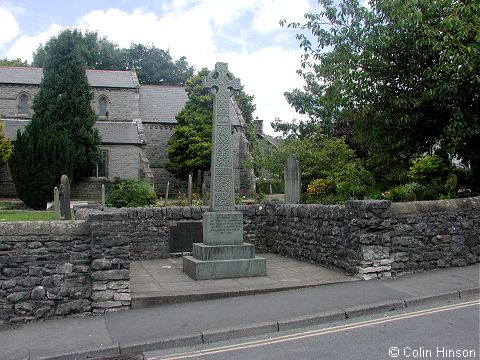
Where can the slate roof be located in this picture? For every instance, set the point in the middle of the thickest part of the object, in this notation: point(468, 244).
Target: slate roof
point(96, 78)
point(116, 132)
point(160, 104)
point(111, 132)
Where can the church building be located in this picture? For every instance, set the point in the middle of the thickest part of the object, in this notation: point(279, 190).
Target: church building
point(135, 122)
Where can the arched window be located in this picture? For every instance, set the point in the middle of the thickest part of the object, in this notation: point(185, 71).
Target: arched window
point(103, 106)
point(23, 104)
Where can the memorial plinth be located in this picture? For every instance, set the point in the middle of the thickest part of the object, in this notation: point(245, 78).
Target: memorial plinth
point(223, 254)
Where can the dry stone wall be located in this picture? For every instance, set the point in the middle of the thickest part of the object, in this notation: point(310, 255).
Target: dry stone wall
point(50, 269)
point(44, 269)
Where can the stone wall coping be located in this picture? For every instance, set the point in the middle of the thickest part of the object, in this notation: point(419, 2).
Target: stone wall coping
point(302, 210)
point(437, 206)
point(19, 228)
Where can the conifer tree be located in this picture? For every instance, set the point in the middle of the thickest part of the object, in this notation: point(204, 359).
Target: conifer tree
point(190, 147)
point(61, 138)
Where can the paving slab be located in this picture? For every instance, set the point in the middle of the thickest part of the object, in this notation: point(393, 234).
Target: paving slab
point(155, 282)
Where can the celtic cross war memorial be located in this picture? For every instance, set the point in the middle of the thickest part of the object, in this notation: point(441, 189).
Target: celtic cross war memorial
point(223, 254)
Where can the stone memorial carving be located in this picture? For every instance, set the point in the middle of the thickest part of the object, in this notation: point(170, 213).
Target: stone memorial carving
point(223, 254)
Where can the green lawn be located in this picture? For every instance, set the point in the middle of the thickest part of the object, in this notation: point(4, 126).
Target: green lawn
point(15, 215)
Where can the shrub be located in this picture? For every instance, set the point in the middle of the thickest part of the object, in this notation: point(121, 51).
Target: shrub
point(130, 193)
point(396, 194)
point(320, 188)
point(426, 169)
point(263, 186)
point(413, 191)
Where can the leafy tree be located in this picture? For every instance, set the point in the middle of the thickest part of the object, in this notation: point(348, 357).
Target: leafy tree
point(153, 65)
point(61, 138)
point(322, 157)
point(403, 74)
point(13, 62)
point(156, 66)
point(97, 52)
point(190, 147)
point(5, 147)
point(247, 107)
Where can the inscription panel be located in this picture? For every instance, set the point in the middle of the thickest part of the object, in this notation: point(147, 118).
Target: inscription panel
point(223, 228)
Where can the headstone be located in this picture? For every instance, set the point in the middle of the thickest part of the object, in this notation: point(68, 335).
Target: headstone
point(190, 190)
point(223, 254)
point(166, 192)
point(65, 198)
point(103, 195)
point(292, 180)
point(183, 234)
point(56, 203)
point(205, 195)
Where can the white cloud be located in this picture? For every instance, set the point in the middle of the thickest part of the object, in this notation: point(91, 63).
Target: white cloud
point(10, 28)
point(208, 31)
point(270, 12)
point(267, 74)
point(26, 45)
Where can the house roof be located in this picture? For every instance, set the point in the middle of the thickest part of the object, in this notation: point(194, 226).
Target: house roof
point(96, 78)
point(161, 103)
point(111, 132)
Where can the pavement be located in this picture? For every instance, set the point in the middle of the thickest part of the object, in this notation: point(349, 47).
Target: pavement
point(155, 282)
point(203, 321)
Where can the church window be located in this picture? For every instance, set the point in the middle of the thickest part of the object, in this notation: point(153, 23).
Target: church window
point(102, 165)
point(23, 104)
point(103, 106)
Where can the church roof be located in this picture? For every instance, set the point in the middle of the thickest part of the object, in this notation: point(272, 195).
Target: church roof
point(111, 132)
point(96, 78)
point(160, 104)
point(118, 132)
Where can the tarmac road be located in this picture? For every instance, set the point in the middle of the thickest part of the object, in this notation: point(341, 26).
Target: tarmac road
point(440, 332)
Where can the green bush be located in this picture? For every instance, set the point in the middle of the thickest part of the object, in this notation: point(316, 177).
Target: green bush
point(320, 188)
point(130, 193)
point(427, 169)
point(396, 194)
point(263, 186)
point(413, 191)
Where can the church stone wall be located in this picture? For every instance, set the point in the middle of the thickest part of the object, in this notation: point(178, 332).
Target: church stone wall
point(123, 161)
point(8, 98)
point(243, 179)
point(123, 103)
point(158, 136)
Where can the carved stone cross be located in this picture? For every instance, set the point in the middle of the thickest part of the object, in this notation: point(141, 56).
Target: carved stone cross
point(221, 84)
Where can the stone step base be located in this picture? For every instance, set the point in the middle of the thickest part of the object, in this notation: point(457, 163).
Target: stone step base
point(223, 269)
point(223, 252)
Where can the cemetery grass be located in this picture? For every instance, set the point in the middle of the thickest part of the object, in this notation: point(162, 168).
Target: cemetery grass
point(15, 215)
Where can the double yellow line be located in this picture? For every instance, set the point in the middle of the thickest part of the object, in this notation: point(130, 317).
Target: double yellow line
point(312, 333)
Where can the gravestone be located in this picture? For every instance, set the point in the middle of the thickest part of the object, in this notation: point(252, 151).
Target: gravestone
point(64, 194)
point(223, 254)
point(183, 234)
point(56, 203)
point(292, 180)
point(190, 190)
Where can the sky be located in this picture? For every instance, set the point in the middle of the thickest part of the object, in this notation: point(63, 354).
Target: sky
point(244, 33)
